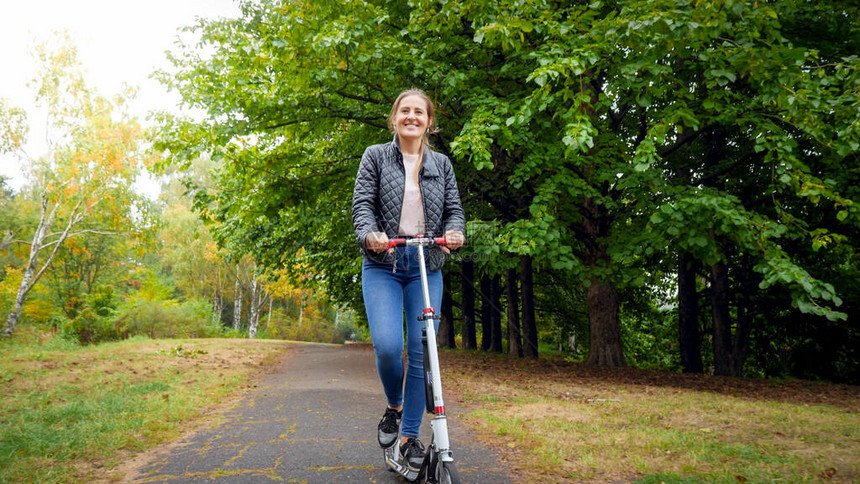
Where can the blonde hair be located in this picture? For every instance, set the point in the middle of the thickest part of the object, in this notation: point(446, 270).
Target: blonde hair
point(431, 113)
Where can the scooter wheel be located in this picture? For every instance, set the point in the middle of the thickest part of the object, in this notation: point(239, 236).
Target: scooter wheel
point(446, 473)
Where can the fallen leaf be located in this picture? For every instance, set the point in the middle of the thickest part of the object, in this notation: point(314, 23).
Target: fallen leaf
point(828, 473)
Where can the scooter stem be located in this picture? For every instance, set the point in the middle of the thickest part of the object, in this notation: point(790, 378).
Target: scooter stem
point(439, 422)
point(424, 288)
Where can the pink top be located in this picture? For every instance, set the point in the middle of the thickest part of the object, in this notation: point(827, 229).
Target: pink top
point(412, 214)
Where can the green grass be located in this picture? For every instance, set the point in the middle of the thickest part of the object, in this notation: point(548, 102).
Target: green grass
point(634, 439)
point(69, 413)
point(574, 427)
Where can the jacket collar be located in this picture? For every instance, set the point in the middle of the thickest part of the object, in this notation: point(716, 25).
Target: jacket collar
point(428, 161)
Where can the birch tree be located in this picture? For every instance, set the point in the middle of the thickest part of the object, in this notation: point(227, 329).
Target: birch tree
point(91, 162)
point(237, 298)
point(258, 298)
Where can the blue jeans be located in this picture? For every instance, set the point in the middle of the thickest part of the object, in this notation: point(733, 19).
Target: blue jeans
point(389, 296)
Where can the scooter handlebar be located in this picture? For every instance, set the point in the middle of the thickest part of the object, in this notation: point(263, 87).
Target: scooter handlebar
point(425, 241)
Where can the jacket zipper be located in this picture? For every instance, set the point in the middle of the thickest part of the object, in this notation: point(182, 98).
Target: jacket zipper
point(403, 168)
point(423, 202)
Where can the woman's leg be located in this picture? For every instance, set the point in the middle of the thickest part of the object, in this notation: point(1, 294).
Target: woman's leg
point(413, 405)
point(383, 300)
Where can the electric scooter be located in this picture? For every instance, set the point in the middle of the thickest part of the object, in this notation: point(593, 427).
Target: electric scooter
point(438, 466)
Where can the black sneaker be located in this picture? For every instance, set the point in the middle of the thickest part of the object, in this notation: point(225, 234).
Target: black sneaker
point(389, 427)
point(412, 454)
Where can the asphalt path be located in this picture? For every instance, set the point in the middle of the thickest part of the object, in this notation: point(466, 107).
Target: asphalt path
point(312, 419)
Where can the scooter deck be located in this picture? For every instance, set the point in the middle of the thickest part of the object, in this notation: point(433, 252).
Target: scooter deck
point(390, 455)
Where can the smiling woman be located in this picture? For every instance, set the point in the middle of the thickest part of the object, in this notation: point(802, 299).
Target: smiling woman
point(403, 188)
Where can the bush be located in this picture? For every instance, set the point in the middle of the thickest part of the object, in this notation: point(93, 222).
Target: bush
point(317, 326)
point(168, 319)
point(89, 328)
point(96, 321)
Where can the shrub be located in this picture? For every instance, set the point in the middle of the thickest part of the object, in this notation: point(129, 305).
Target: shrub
point(168, 319)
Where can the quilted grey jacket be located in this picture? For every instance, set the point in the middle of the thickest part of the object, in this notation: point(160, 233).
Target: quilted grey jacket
point(377, 199)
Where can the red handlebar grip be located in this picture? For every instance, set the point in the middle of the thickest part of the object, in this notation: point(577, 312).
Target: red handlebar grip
point(402, 241)
point(396, 242)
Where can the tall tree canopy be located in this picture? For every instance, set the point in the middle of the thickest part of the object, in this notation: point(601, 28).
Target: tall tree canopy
point(604, 141)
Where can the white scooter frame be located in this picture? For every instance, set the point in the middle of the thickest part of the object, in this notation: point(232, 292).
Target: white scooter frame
point(438, 467)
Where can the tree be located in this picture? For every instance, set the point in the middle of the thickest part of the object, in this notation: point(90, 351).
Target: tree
point(82, 265)
point(576, 123)
point(467, 305)
point(764, 129)
point(633, 86)
point(447, 333)
point(92, 161)
point(238, 290)
point(688, 315)
point(258, 298)
point(188, 254)
point(515, 340)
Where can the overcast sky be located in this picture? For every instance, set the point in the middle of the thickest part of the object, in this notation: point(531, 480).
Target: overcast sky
point(118, 41)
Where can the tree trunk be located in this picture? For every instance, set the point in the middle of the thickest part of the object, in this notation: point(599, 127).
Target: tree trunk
point(217, 306)
point(301, 309)
point(25, 286)
point(254, 309)
point(217, 299)
point(259, 301)
point(486, 312)
point(269, 321)
point(447, 334)
point(20, 297)
point(31, 272)
point(724, 361)
point(729, 351)
point(689, 341)
point(515, 345)
point(605, 348)
point(605, 343)
point(467, 281)
point(742, 332)
point(237, 301)
point(496, 314)
point(530, 334)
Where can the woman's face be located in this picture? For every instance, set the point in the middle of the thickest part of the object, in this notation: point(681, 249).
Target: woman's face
point(411, 119)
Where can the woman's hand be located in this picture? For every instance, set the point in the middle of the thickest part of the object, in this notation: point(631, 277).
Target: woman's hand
point(454, 239)
point(376, 241)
